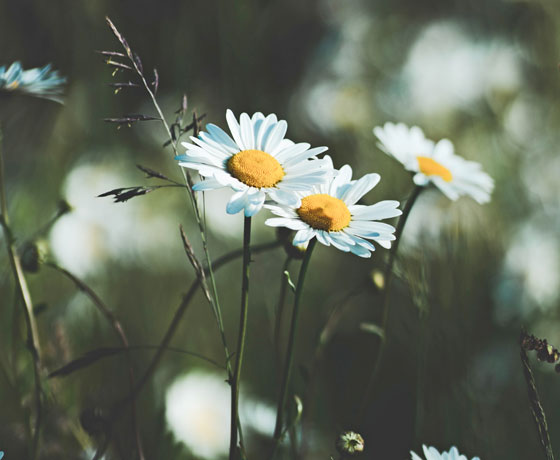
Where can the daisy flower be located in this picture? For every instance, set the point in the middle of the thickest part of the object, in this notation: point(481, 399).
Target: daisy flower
point(256, 162)
point(40, 82)
point(431, 453)
point(329, 213)
point(434, 162)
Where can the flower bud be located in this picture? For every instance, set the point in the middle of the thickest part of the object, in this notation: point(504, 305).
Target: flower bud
point(350, 444)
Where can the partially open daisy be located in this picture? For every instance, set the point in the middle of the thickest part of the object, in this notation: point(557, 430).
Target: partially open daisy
point(329, 213)
point(40, 82)
point(257, 162)
point(431, 453)
point(434, 162)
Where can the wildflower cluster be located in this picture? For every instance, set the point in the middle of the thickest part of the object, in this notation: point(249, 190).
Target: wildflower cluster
point(307, 194)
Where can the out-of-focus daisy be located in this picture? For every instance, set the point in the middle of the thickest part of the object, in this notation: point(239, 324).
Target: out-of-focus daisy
point(198, 414)
point(329, 213)
point(431, 453)
point(40, 82)
point(257, 162)
point(434, 162)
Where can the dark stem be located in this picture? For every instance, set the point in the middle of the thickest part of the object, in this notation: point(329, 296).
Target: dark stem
point(175, 321)
point(23, 291)
point(181, 310)
point(385, 298)
point(236, 381)
point(119, 331)
point(536, 406)
point(280, 311)
point(279, 428)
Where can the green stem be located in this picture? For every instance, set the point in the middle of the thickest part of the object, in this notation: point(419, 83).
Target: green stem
point(280, 310)
point(278, 430)
point(235, 382)
point(23, 290)
point(385, 298)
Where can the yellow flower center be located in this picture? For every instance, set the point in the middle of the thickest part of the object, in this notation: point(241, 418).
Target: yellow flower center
point(255, 168)
point(324, 212)
point(431, 167)
point(13, 85)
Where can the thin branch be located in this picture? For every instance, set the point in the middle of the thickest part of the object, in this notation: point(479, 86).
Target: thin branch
point(535, 403)
point(23, 291)
point(119, 331)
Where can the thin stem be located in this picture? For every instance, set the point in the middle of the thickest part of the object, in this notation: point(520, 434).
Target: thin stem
point(181, 310)
point(236, 382)
point(23, 291)
point(536, 406)
point(119, 331)
point(279, 428)
point(385, 297)
point(280, 310)
point(188, 180)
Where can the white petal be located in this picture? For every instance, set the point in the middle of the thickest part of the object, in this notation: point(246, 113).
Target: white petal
point(342, 177)
point(208, 184)
point(234, 129)
point(237, 202)
point(292, 224)
point(275, 136)
point(370, 226)
point(304, 156)
point(303, 236)
point(222, 137)
point(379, 211)
point(285, 197)
point(360, 188)
point(360, 251)
point(264, 130)
point(247, 134)
point(290, 152)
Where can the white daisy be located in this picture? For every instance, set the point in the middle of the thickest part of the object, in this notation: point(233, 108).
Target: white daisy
point(431, 453)
point(329, 213)
point(41, 82)
point(257, 162)
point(434, 162)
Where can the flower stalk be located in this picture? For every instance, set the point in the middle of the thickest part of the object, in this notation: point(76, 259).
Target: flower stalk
point(235, 382)
point(385, 297)
point(23, 292)
point(278, 430)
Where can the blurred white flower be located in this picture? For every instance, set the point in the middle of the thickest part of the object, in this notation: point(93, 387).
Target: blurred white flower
point(431, 453)
point(446, 69)
point(434, 163)
point(98, 230)
point(198, 414)
point(531, 273)
point(40, 82)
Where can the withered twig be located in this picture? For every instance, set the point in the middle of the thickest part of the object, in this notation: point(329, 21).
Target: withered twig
point(535, 403)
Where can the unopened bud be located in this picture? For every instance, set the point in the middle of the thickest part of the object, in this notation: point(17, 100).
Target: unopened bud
point(30, 257)
point(350, 444)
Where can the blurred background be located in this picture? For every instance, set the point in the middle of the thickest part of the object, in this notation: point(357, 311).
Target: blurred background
point(483, 73)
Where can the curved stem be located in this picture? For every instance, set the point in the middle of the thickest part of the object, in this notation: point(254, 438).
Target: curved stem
point(119, 331)
point(385, 297)
point(235, 383)
point(23, 291)
point(278, 430)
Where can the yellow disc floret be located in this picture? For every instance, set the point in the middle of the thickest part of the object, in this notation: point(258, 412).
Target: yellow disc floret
point(255, 168)
point(431, 167)
point(324, 212)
